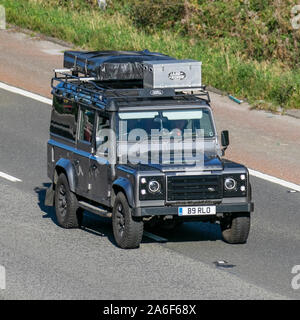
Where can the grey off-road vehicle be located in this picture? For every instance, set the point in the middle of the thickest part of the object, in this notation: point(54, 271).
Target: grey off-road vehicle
point(132, 137)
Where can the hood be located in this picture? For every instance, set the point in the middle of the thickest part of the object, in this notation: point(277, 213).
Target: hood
point(210, 163)
point(165, 161)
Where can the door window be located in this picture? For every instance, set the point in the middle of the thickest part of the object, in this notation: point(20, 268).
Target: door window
point(64, 118)
point(86, 125)
point(101, 133)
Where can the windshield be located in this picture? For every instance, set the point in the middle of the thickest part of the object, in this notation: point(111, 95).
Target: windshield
point(176, 122)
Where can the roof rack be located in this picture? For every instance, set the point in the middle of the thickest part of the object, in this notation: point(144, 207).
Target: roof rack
point(97, 77)
point(100, 91)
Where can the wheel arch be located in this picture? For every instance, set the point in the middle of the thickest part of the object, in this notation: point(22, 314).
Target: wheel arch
point(123, 185)
point(65, 166)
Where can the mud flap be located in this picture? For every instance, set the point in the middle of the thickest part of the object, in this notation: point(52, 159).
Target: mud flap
point(49, 199)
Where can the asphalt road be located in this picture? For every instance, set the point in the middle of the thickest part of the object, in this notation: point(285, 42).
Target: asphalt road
point(44, 261)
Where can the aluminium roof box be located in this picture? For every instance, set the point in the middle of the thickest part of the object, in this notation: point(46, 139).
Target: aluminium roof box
point(172, 74)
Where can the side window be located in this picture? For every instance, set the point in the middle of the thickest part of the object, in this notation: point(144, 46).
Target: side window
point(86, 125)
point(103, 123)
point(64, 118)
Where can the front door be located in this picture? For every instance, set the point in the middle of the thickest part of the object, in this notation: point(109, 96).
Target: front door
point(99, 162)
point(81, 158)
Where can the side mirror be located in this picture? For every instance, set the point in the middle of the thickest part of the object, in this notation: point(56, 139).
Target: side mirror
point(225, 139)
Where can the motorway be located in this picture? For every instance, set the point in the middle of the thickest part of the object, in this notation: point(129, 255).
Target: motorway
point(44, 261)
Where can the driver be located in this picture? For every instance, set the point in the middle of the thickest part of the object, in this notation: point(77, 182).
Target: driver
point(178, 126)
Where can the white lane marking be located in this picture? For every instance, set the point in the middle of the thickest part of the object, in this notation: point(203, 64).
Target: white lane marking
point(25, 93)
point(281, 182)
point(8, 177)
point(254, 173)
point(155, 237)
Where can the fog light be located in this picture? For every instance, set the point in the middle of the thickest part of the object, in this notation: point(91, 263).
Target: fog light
point(243, 188)
point(143, 191)
point(243, 177)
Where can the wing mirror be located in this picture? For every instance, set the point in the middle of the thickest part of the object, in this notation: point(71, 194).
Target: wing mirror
point(225, 139)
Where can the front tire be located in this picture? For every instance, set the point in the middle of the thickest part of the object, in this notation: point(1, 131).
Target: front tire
point(68, 214)
point(235, 228)
point(128, 232)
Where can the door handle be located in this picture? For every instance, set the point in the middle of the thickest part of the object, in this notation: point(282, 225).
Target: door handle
point(94, 167)
point(76, 162)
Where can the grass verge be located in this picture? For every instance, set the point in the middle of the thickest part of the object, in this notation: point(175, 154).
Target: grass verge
point(264, 84)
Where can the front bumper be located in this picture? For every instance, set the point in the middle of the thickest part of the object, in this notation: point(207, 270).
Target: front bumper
point(173, 210)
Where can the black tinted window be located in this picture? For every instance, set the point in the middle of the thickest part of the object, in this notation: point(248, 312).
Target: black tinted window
point(64, 118)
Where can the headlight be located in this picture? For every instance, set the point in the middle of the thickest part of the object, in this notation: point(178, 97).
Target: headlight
point(235, 185)
point(230, 184)
point(154, 186)
point(151, 188)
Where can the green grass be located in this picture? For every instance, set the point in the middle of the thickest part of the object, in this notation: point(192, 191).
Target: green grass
point(266, 83)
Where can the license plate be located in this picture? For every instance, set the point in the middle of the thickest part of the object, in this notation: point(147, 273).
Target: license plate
point(197, 211)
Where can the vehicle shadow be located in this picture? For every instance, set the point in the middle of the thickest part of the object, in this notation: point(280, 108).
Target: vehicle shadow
point(190, 232)
point(93, 224)
point(41, 194)
point(98, 226)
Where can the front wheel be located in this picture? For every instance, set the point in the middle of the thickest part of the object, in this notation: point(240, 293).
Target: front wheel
point(235, 228)
point(128, 232)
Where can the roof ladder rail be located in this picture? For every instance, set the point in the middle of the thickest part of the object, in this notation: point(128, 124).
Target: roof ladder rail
point(63, 70)
point(66, 72)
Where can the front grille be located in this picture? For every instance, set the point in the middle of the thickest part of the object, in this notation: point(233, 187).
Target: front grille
point(183, 188)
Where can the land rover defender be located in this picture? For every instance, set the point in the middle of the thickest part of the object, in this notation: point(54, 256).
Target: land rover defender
point(132, 137)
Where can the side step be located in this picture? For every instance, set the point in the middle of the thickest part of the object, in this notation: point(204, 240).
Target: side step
point(96, 210)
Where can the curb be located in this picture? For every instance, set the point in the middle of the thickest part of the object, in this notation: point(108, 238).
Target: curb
point(294, 113)
point(217, 91)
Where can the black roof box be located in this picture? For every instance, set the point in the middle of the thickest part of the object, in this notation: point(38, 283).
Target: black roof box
point(111, 65)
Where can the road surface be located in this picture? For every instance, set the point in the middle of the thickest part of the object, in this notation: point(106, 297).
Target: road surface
point(44, 261)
